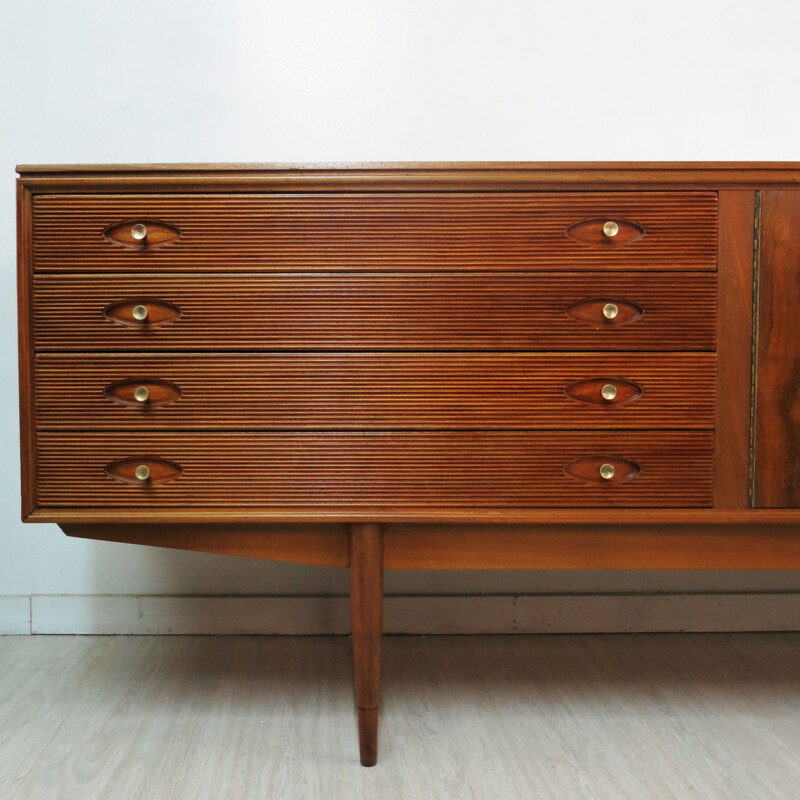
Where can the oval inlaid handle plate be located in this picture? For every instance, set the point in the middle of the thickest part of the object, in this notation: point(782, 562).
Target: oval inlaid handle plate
point(595, 232)
point(141, 234)
point(159, 312)
point(596, 391)
point(128, 470)
point(128, 392)
point(593, 469)
point(591, 311)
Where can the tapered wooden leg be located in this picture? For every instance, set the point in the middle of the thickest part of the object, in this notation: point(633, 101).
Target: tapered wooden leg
point(366, 609)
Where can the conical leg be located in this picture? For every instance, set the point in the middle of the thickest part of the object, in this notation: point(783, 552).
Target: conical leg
point(366, 609)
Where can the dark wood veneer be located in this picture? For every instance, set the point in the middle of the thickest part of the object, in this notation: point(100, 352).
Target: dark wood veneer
point(366, 597)
point(777, 433)
point(733, 440)
point(373, 391)
point(378, 312)
point(377, 469)
point(351, 232)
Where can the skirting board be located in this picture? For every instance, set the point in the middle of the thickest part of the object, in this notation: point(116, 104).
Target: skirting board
point(15, 615)
point(599, 613)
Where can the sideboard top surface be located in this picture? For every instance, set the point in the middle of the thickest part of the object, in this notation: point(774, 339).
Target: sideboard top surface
point(416, 176)
point(416, 166)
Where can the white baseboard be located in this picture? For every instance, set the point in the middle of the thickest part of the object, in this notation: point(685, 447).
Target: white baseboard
point(603, 613)
point(15, 615)
point(150, 614)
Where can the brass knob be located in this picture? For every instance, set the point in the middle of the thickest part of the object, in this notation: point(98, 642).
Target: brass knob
point(607, 471)
point(610, 228)
point(608, 392)
point(139, 231)
point(141, 393)
point(142, 472)
point(140, 313)
point(610, 311)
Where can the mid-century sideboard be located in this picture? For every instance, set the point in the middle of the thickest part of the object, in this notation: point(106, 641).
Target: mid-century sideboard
point(416, 366)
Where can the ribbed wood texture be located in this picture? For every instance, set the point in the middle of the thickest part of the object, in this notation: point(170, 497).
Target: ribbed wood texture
point(378, 312)
point(317, 470)
point(372, 391)
point(415, 232)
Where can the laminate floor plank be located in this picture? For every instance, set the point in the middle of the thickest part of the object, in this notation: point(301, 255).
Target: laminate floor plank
point(71, 699)
point(715, 716)
point(39, 692)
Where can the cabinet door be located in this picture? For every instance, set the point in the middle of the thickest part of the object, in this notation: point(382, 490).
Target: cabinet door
point(777, 429)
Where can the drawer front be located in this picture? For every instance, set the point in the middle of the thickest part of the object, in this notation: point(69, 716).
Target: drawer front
point(561, 311)
point(380, 470)
point(373, 391)
point(407, 232)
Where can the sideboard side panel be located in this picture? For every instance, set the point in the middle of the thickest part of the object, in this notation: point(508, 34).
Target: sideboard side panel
point(777, 414)
point(25, 323)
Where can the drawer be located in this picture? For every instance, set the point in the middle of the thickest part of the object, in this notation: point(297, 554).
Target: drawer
point(555, 311)
point(389, 469)
point(404, 232)
point(360, 391)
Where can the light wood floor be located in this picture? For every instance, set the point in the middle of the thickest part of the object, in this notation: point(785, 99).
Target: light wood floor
point(535, 717)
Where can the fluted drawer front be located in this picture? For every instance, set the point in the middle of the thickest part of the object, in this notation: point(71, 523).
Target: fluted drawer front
point(390, 469)
point(372, 391)
point(415, 232)
point(374, 312)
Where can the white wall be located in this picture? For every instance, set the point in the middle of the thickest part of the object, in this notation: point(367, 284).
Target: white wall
point(239, 80)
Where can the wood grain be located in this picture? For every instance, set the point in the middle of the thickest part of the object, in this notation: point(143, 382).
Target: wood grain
point(358, 391)
point(777, 434)
point(548, 716)
point(589, 545)
point(321, 545)
point(411, 232)
point(25, 334)
point(603, 170)
point(611, 545)
point(673, 543)
point(410, 176)
point(410, 345)
point(366, 613)
point(676, 516)
point(468, 469)
point(734, 349)
point(378, 312)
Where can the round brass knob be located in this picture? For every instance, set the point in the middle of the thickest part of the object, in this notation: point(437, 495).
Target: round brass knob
point(139, 231)
point(610, 228)
point(608, 392)
point(140, 313)
point(610, 311)
point(142, 472)
point(141, 393)
point(607, 471)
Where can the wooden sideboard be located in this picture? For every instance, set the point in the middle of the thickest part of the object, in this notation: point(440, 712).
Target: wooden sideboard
point(416, 366)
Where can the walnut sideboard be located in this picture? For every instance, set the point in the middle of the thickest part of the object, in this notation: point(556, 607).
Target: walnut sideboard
point(416, 366)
